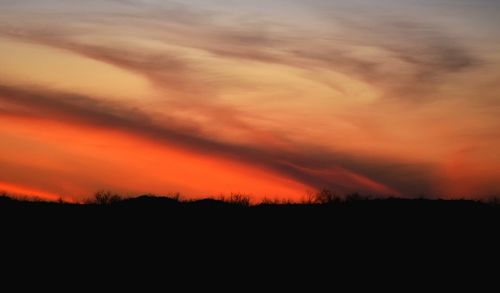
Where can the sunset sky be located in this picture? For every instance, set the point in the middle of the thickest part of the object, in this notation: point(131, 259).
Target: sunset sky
point(270, 98)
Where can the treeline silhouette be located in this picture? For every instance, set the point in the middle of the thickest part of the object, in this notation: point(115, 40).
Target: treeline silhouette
point(325, 219)
point(324, 199)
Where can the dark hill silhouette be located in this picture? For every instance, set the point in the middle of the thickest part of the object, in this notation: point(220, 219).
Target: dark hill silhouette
point(320, 211)
point(351, 228)
point(150, 201)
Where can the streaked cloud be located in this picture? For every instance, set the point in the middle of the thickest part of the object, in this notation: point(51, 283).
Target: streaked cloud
point(314, 169)
point(343, 94)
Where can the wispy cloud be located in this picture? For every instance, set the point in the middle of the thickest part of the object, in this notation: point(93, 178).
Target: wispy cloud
point(314, 168)
point(327, 94)
point(397, 55)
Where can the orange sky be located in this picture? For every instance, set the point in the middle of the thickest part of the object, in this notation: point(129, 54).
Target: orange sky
point(208, 98)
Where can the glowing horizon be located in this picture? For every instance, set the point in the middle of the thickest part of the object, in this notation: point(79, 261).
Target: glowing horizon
point(270, 99)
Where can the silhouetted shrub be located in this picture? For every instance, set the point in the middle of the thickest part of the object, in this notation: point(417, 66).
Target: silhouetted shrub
point(4, 197)
point(268, 201)
point(238, 199)
point(105, 198)
point(176, 196)
point(327, 196)
point(277, 201)
point(310, 198)
point(355, 197)
point(494, 200)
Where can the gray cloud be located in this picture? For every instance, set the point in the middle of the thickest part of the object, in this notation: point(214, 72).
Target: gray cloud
point(418, 55)
point(429, 53)
point(304, 165)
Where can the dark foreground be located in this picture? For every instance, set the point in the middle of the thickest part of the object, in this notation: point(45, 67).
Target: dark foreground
point(167, 214)
point(212, 233)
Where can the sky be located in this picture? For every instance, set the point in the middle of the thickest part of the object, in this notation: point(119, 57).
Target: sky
point(275, 99)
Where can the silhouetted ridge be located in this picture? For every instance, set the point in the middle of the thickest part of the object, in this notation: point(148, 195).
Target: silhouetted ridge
point(149, 200)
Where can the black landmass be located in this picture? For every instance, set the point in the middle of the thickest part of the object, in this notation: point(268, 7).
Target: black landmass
point(351, 230)
point(107, 209)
